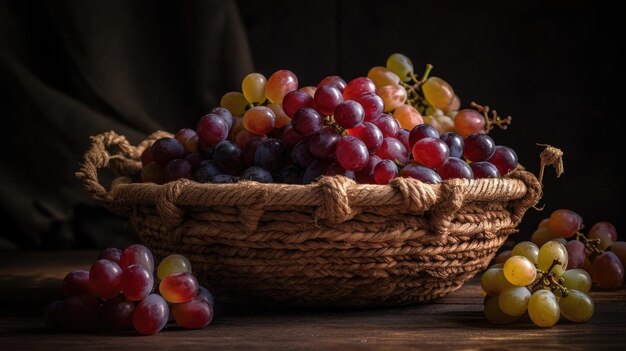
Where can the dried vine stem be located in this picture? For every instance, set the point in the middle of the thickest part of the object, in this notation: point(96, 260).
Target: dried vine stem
point(492, 120)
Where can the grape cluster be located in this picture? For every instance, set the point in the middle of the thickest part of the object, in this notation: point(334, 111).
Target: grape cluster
point(117, 293)
point(366, 129)
point(536, 281)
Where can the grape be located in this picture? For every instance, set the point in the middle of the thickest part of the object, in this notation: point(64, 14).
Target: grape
point(478, 147)
point(454, 142)
point(388, 125)
point(205, 296)
point(281, 117)
point(503, 256)
point(314, 171)
point(188, 139)
point(337, 81)
point(77, 283)
point(401, 66)
point(327, 98)
point(468, 122)
point(290, 175)
point(351, 153)
point(105, 279)
point(438, 92)
point(79, 312)
point(236, 129)
point(381, 76)
point(607, 271)
point(279, 84)
point(173, 264)
point(544, 223)
point(494, 313)
point(137, 282)
point(527, 249)
point(505, 159)
point(385, 171)
point(212, 129)
point(408, 117)
point(576, 306)
point(542, 236)
point(484, 169)
point(393, 149)
point(349, 114)
point(334, 168)
point(253, 87)
point(550, 251)
point(519, 271)
point(243, 137)
point(565, 223)
point(366, 175)
point(422, 131)
point(259, 120)
point(224, 178)
point(225, 114)
point(543, 308)
point(228, 155)
point(454, 106)
point(194, 314)
point(194, 159)
point(454, 168)
point(368, 133)
point(206, 171)
point(151, 315)
point(179, 287)
point(307, 121)
point(494, 282)
point(619, 249)
point(147, 157)
point(577, 279)
point(310, 90)
point(514, 300)
point(178, 169)
point(322, 145)
point(358, 86)
point(296, 100)
point(421, 173)
point(270, 154)
point(431, 152)
point(234, 102)
point(603, 227)
point(300, 154)
point(152, 173)
point(446, 124)
point(137, 254)
point(290, 136)
point(393, 96)
point(117, 313)
point(575, 254)
point(52, 314)
point(258, 174)
point(372, 105)
point(604, 237)
point(166, 149)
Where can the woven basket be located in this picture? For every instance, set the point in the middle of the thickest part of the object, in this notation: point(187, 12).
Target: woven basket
point(329, 243)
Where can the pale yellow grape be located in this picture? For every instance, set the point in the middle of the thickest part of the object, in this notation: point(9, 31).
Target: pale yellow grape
point(576, 306)
point(527, 249)
point(494, 314)
point(401, 66)
point(548, 253)
point(438, 92)
point(173, 264)
point(514, 300)
point(446, 124)
point(234, 102)
point(493, 281)
point(253, 87)
point(519, 271)
point(577, 279)
point(543, 308)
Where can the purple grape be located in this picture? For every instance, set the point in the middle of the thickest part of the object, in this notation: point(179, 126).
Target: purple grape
point(366, 175)
point(137, 282)
point(326, 99)
point(206, 171)
point(385, 171)
point(271, 154)
point(224, 178)
point(403, 136)
point(478, 147)
point(314, 171)
point(388, 125)
point(455, 144)
point(505, 159)
point(300, 154)
point(194, 159)
point(422, 131)
point(250, 150)
point(430, 152)
point(225, 114)
point(117, 313)
point(77, 283)
point(178, 169)
point(421, 173)
point(258, 174)
point(393, 149)
point(290, 175)
point(351, 153)
point(337, 81)
point(227, 155)
point(484, 169)
point(323, 143)
point(368, 133)
point(80, 312)
point(151, 315)
point(290, 136)
point(349, 114)
point(105, 279)
point(307, 121)
point(212, 129)
point(455, 168)
point(296, 100)
point(166, 149)
point(334, 168)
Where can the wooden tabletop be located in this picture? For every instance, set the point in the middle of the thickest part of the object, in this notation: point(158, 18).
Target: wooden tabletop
point(29, 280)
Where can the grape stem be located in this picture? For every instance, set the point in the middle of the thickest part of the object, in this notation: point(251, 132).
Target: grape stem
point(494, 120)
point(414, 96)
point(549, 280)
point(592, 245)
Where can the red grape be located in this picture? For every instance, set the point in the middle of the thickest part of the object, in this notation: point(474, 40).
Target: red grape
point(300, 154)
point(430, 152)
point(290, 136)
point(422, 131)
point(296, 100)
point(151, 315)
point(421, 173)
point(137, 254)
point(454, 168)
point(393, 149)
point(366, 175)
point(337, 81)
point(188, 139)
point(478, 147)
point(137, 282)
point(349, 114)
point(212, 129)
point(372, 105)
point(307, 121)
point(179, 287)
point(607, 271)
point(327, 98)
point(105, 279)
point(603, 227)
point(358, 86)
point(225, 114)
point(117, 313)
point(323, 143)
point(505, 159)
point(575, 254)
point(77, 283)
point(565, 223)
point(166, 149)
point(194, 314)
point(334, 168)
point(385, 171)
point(271, 154)
point(388, 125)
point(351, 153)
point(80, 312)
point(368, 133)
point(484, 169)
point(455, 143)
point(279, 84)
point(468, 122)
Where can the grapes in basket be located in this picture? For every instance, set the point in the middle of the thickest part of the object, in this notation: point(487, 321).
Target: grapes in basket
point(119, 292)
point(370, 129)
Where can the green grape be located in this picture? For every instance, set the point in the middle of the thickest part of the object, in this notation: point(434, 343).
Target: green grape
point(437, 92)
point(576, 306)
point(173, 264)
point(543, 308)
point(519, 271)
point(435, 112)
point(527, 249)
point(401, 66)
point(494, 314)
point(577, 279)
point(493, 281)
point(253, 87)
point(548, 253)
point(514, 300)
point(234, 102)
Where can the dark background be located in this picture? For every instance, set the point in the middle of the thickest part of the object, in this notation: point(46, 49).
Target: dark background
point(551, 65)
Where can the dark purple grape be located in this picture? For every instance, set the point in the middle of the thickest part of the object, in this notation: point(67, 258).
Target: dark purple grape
point(225, 114)
point(366, 175)
point(478, 147)
point(455, 143)
point(290, 175)
point(224, 178)
point(212, 129)
point(178, 169)
point(422, 131)
point(307, 121)
point(484, 169)
point(337, 81)
point(368, 133)
point(323, 143)
point(206, 171)
point(334, 168)
point(166, 149)
point(505, 159)
point(430, 152)
point(111, 254)
point(351, 153)
point(388, 125)
point(349, 114)
point(296, 100)
point(80, 312)
point(258, 174)
point(300, 154)
point(117, 313)
point(271, 154)
point(205, 150)
point(393, 149)
point(455, 168)
point(227, 155)
point(385, 171)
point(314, 171)
point(77, 283)
point(290, 136)
point(194, 159)
point(421, 173)
point(373, 105)
point(250, 150)
point(151, 315)
point(326, 99)
point(403, 136)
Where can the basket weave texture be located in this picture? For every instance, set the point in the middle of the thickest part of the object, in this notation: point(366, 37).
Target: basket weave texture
point(329, 243)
